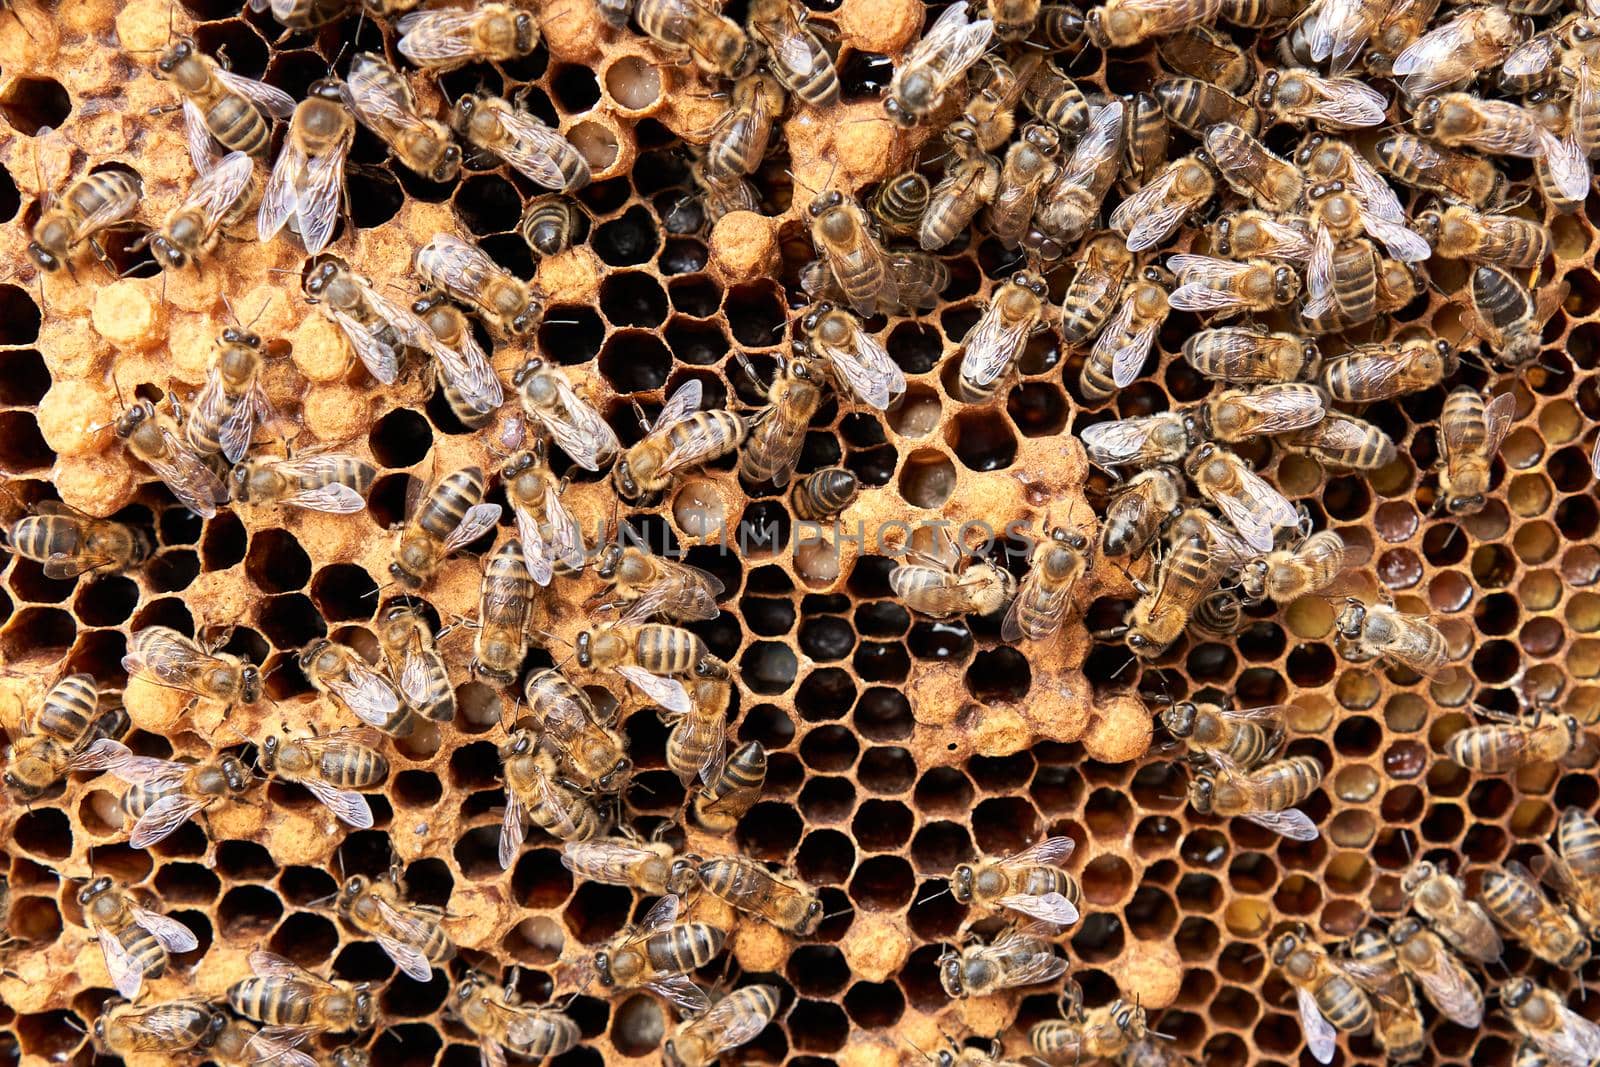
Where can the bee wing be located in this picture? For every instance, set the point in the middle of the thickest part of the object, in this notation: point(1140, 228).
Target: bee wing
point(1452, 990)
point(468, 369)
point(1427, 63)
point(280, 197)
point(662, 913)
point(216, 190)
point(190, 480)
point(583, 435)
point(780, 446)
point(1348, 102)
point(1292, 823)
point(1011, 629)
point(173, 935)
point(685, 401)
point(202, 149)
point(1151, 214)
point(1132, 347)
point(490, 1054)
point(377, 101)
point(350, 807)
point(700, 443)
point(366, 693)
point(62, 566)
point(1573, 1039)
point(1052, 908)
point(375, 352)
point(162, 656)
point(127, 973)
point(170, 1022)
point(955, 41)
point(736, 1027)
point(680, 992)
point(1321, 1038)
point(1047, 853)
point(867, 370)
point(320, 192)
point(436, 36)
point(479, 520)
point(108, 755)
point(1375, 194)
point(1567, 162)
point(1256, 509)
point(1038, 966)
point(1118, 441)
point(1204, 269)
point(709, 732)
point(274, 101)
point(533, 546)
point(1194, 296)
point(1102, 137)
point(335, 498)
point(1531, 56)
point(1497, 417)
point(252, 410)
point(513, 828)
point(992, 346)
point(406, 957)
point(584, 857)
point(667, 692)
point(1288, 407)
point(1403, 244)
point(163, 817)
point(1337, 31)
point(1319, 275)
point(535, 149)
point(691, 592)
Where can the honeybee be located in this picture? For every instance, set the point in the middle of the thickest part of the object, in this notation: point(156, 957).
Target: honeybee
point(648, 866)
point(1575, 871)
point(696, 743)
point(1252, 170)
point(936, 64)
point(1244, 736)
point(824, 493)
point(1252, 234)
point(1143, 441)
point(156, 444)
point(1015, 313)
point(1342, 211)
point(467, 378)
point(1207, 284)
point(540, 153)
point(1458, 232)
point(1341, 284)
point(502, 1023)
point(1247, 355)
point(1265, 795)
point(307, 181)
point(1041, 603)
point(1397, 1023)
point(1470, 433)
point(1328, 999)
point(778, 431)
point(1016, 957)
point(1135, 515)
point(1247, 501)
point(505, 607)
point(378, 329)
point(162, 794)
point(1072, 202)
point(853, 356)
point(451, 516)
point(381, 99)
point(1030, 882)
point(1201, 52)
point(1124, 23)
point(779, 899)
point(1455, 52)
point(299, 15)
point(732, 1021)
point(856, 261)
point(331, 481)
point(537, 791)
point(1439, 897)
point(293, 1005)
point(738, 784)
point(720, 197)
point(1300, 96)
point(409, 934)
point(68, 543)
point(1056, 100)
point(899, 203)
point(681, 438)
point(658, 955)
point(1459, 176)
point(1509, 316)
point(1159, 617)
point(232, 403)
point(1335, 30)
point(445, 38)
point(697, 30)
point(170, 1028)
point(1342, 440)
point(650, 585)
point(331, 768)
point(218, 198)
point(1513, 899)
point(50, 745)
point(1145, 147)
point(1276, 408)
point(1197, 105)
point(1397, 30)
point(548, 533)
point(566, 716)
point(1225, 544)
point(794, 55)
point(1099, 1033)
point(339, 672)
point(465, 272)
point(134, 942)
point(1151, 215)
point(220, 107)
point(1287, 574)
point(1369, 373)
point(1092, 293)
point(940, 592)
point(1498, 127)
point(167, 658)
point(1411, 641)
point(549, 399)
point(551, 223)
point(652, 657)
point(1506, 746)
point(1029, 165)
point(739, 138)
point(1540, 1016)
point(1444, 981)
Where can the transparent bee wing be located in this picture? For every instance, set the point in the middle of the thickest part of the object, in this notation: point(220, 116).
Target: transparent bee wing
point(513, 828)
point(412, 964)
point(1319, 275)
point(320, 192)
point(378, 101)
point(351, 808)
point(1052, 908)
point(108, 755)
point(367, 694)
point(1292, 823)
point(1047, 853)
point(735, 1025)
point(1347, 102)
point(579, 431)
point(1427, 64)
point(1498, 415)
point(210, 408)
point(679, 991)
point(1321, 1038)
point(469, 371)
point(1516, 135)
point(190, 480)
point(1574, 1039)
point(1116, 442)
point(479, 520)
point(662, 913)
point(371, 347)
point(589, 858)
point(1338, 29)
point(994, 344)
point(1128, 348)
point(1102, 137)
point(669, 693)
point(1531, 57)
point(1194, 296)
point(1038, 967)
point(1568, 164)
point(534, 553)
point(705, 733)
point(699, 443)
point(276, 1044)
point(216, 190)
point(490, 1054)
point(335, 498)
point(279, 198)
point(539, 151)
point(1405, 245)
point(436, 36)
point(274, 101)
point(952, 44)
point(202, 148)
point(685, 401)
point(1375, 194)
point(250, 411)
point(867, 369)
point(1149, 216)
point(173, 935)
point(1452, 990)
point(62, 566)
point(169, 1022)
point(163, 817)
point(1286, 407)
point(127, 973)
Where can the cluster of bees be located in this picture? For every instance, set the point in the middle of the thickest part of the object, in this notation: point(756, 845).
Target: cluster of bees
point(1284, 234)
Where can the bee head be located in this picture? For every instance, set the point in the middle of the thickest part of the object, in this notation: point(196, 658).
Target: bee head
point(366, 1007)
point(1200, 793)
point(1574, 729)
point(602, 968)
point(130, 420)
point(317, 282)
point(618, 771)
point(527, 33)
point(235, 774)
point(527, 371)
point(449, 164)
point(269, 753)
point(950, 974)
point(1352, 618)
point(47, 262)
point(1283, 948)
point(610, 559)
point(180, 51)
point(94, 889)
point(623, 474)
point(1285, 285)
point(1253, 579)
point(961, 883)
point(1427, 116)
point(1404, 930)
point(249, 683)
point(898, 114)
point(354, 886)
point(463, 111)
point(1516, 993)
point(1179, 719)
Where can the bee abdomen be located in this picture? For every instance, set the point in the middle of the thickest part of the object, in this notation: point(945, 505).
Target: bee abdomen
point(238, 126)
point(69, 708)
point(445, 507)
point(271, 1001)
point(684, 947)
point(353, 767)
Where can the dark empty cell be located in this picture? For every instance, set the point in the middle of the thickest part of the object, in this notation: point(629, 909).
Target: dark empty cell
point(877, 661)
point(1099, 938)
point(570, 335)
point(179, 526)
point(375, 197)
point(861, 430)
point(605, 198)
point(401, 438)
point(999, 674)
point(10, 199)
point(883, 883)
point(99, 652)
point(1151, 914)
point(768, 667)
point(817, 970)
point(1262, 642)
point(635, 362)
point(883, 714)
point(817, 1026)
point(362, 961)
point(511, 252)
point(22, 447)
point(683, 255)
point(1577, 517)
point(883, 618)
point(172, 571)
point(302, 885)
point(414, 999)
point(540, 880)
point(768, 724)
point(344, 592)
point(633, 298)
point(825, 858)
point(1310, 665)
point(223, 543)
point(417, 789)
point(488, 203)
point(248, 912)
point(874, 1005)
point(981, 440)
point(575, 88)
point(881, 825)
point(1496, 613)
point(1001, 774)
point(1496, 662)
point(915, 347)
point(44, 832)
point(826, 638)
point(276, 563)
point(290, 621)
point(187, 883)
point(825, 694)
point(1347, 498)
point(696, 343)
point(24, 379)
point(477, 853)
point(698, 295)
point(35, 919)
point(19, 316)
point(1038, 408)
point(827, 799)
point(939, 846)
point(874, 466)
point(756, 313)
point(127, 252)
point(785, 773)
point(35, 631)
point(28, 581)
point(767, 617)
point(1003, 825)
point(31, 104)
point(830, 749)
point(769, 831)
point(627, 240)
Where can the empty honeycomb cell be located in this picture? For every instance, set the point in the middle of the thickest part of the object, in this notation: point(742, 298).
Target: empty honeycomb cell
point(981, 440)
point(35, 919)
point(633, 298)
point(400, 439)
point(824, 800)
point(277, 563)
point(627, 240)
point(35, 106)
point(998, 674)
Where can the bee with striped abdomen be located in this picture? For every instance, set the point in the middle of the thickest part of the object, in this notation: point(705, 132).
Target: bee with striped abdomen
point(293, 1005)
point(550, 537)
point(414, 660)
point(1518, 906)
point(1329, 1001)
point(1441, 898)
point(779, 899)
point(331, 767)
point(681, 437)
point(1444, 981)
point(1370, 632)
point(443, 39)
point(67, 543)
point(537, 791)
point(451, 516)
point(651, 867)
point(133, 941)
point(163, 794)
point(306, 187)
point(167, 658)
point(1015, 958)
point(170, 1029)
point(1042, 600)
point(409, 934)
point(1265, 795)
point(589, 744)
point(381, 99)
point(1030, 882)
point(502, 1023)
point(51, 744)
point(339, 672)
point(659, 954)
point(737, 786)
point(233, 403)
point(220, 107)
point(1245, 736)
point(732, 1021)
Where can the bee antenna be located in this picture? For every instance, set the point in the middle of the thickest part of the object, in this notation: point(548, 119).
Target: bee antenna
point(925, 900)
point(1160, 1035)
point(836, 914)
point(68, 1018)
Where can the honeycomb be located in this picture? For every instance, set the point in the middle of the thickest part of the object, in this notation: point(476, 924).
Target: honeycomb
point(898, 746)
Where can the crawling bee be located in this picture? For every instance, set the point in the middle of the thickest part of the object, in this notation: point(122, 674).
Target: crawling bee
point(409, 934)
point(1247, 355)
point(1246, 500)
point(467, 273)
point(1014, 314)
point(466, 377)
point(1499, 748)
point(795, 56)
point(1244, 736)
point(1470, 433)
point(1575, 872)
point(590, 745)
point(850, 254)
point(1093, 291)
point(1252, 169)
point(502, 1023)
point(697, 31)
point(941, 592)
point(1124, 23)
point(1017, 957)
point(1287, 574)
point(155, 443)
point(1456, 231)
point(167, 658)
point(1381, 371)
point(171, 1028)
point(1030, 882)
point(649, 866)
point(522, 140)
point(1368, 633)
point(549, 399)
point(378, 329)
point(778, 432)
point(340, 672)
point(450, 517)
point(1444, 981)
point(652, 657)
point(1328, 999)
point(779, 899)
point(331, 767)
point(445, 38)
point(852, 355)
point(1266, 795)
point(505, 608)
point(292, 1004)
point(659, 954)
point(381, 99)
point(682, 437)
point(537, 791)
point(414, 660)
point(1136, 514)
point(330, 481)
point(1206, 284)
point(1440, 897)
point(1100, 1033)
point(220, 107)
point(1154, 213)
point(935, 64)
point(1300, 96)
point(133, 941)
point(67, 543)
point(971, 181)
point(1506, 313)
point(549, 535)
point(218, 198)
point(1143, 441)
point(164, 794)
point(1514, 900)
point(306, 187)
point(1341, 440)
point(52, 743)
point(1071, 204)
point(736, 788)
point(648, 585)
point(1041, 603)
point(739, 138)
point(1541, 1017)
point(732, 1021)
point(232, 403)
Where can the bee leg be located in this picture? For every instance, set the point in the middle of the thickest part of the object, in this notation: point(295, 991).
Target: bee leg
point(1113, 633)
